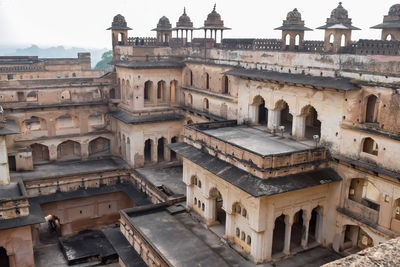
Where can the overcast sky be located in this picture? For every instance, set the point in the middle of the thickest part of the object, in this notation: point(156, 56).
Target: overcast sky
point(83, 22)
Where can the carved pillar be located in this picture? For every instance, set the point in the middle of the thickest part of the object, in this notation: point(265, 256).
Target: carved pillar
point(229, 224)
point(274, 118)
point(84, 150)
point(306, 224)
point(299, 127)
point(53, 152)
point(210, 212)
point(288, 233)
point(154, 151)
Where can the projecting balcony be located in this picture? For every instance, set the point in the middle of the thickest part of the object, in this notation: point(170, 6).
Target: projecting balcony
point(367, 210)
point(253, 150)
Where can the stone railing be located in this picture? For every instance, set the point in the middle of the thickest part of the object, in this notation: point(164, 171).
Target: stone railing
point(251, 44)
point(142, 41)
point(376, 47)
point(361, 210)
point(313, 46)
point(263, 166)
point(48, 186)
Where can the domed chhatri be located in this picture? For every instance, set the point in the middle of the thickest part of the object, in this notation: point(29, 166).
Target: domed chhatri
point(394, 10)
point(293, 22)
point(119, 23)
point(163, 24)
point(184, 21)
point(391, 24)
point(339, 19)
point(214, 19)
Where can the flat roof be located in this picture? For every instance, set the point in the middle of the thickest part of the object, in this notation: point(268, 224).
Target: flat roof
point(65, 168)
point(11, 190)
point(130, 119)
point(316, 81)
point(257, 141)
point(249, 183)
point(10, 127)
point(174, 241)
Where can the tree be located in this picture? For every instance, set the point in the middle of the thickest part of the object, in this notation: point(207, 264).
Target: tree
point(105, 59)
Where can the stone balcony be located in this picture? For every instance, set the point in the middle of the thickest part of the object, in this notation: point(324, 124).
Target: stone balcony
point(260, 153)
point(361, 210)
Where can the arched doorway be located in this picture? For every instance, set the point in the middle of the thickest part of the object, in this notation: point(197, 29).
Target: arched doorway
point(355, 239)
point(312, 124)
point(160, 149)
point(278, 238)
point(40, 153)
point(371, 112)
point(99, 146)
point(147, 151)
point(173, 153)
point(4, 260)
point(297, 230)
point(220, 215)
point(314, 228)
point(258, 111)
point(69, 150)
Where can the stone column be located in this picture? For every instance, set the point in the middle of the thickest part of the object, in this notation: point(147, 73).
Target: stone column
point(258, 245)
point(53, 152)
point(269, 235)
point(306, 225)
point(84, 150)
point(288, 233)
point(299, 127)
point(210, 211)
point(189, 196)
point(229, 224)
point(4, 169)
point(274, 118)
point(318, 227)
point(154, 151)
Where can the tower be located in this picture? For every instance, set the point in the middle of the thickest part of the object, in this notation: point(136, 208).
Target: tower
point(119, 31)
point(164, 31)
point(391, 24)
point(337, 30)
point(293, 31)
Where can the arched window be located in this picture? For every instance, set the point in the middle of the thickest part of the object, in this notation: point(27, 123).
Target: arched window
point(202, 207)
point(237, 232)
point(287, 39)
point(297, 40)
point(343, 40)
point(244, 212)
point(147, 90)
point(205, 104)
point(225, 84)
point(238, 208)
point(331, 38)
point(243, 236)
point(389, 37)
point(371, 112)
point(248, 240)
point(199, 184)
point(195, 201)
point(191, 78)
point(161, 90)
point(370, 146)
point(207, 81)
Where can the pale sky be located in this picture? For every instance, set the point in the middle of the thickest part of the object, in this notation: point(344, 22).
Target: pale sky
point(83, 23)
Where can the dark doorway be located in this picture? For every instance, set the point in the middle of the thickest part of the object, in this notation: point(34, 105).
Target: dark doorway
point(312, 228)
point(4, 261)
point(160, 149)
point(371, 112)
point(297, 230)
point(278, 239)
point(173, 153)
point(147, 151)
point(262, 113)
point(11, 163)
point(221, 215)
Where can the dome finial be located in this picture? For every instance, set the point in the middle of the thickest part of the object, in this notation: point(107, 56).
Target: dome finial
point(215, 5)
point(340, 3)
point(184, 10)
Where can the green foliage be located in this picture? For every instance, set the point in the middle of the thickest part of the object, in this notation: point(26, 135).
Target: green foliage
point(105, 58)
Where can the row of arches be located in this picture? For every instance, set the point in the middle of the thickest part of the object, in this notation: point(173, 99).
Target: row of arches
point(308, 124)
point(158, 152)
point(69, 150)
point(206, 82)
point(298, 230)
point(65, 121)
point(161, 93)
